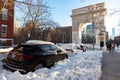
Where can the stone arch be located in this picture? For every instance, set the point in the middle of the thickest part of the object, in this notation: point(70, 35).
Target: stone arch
point(93, 14)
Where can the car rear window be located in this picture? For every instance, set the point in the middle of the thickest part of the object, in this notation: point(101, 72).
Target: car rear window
point(30, 49)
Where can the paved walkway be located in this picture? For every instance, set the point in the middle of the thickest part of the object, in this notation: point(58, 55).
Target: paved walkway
point(111, 66)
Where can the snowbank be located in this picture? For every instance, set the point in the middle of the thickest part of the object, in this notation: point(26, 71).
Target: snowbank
point(4, 50)
point(81, 66)
point(117, 49)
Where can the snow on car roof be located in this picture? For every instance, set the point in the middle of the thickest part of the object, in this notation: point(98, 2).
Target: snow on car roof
point(38, 42)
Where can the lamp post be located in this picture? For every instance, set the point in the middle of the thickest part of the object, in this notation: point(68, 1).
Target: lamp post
point(93, 27)
point(101, 34)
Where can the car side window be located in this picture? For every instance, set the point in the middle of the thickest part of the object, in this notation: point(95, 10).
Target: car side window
point(53, 47)
point(45, 48)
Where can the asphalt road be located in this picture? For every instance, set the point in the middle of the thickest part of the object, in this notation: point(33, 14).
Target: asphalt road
point(111, 66)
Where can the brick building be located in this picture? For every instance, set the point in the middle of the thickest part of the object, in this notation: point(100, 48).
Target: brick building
point(6, 22)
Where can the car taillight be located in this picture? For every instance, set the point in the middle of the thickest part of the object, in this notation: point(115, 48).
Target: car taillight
point(19, 57)
point(27, 57)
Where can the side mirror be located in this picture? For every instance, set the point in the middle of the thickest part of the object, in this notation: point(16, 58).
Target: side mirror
point(58, 51)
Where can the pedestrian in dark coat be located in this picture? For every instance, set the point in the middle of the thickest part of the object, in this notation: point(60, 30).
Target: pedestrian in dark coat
point(107, 46)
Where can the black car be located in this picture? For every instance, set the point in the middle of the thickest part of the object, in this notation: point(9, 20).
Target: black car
point(34, 55)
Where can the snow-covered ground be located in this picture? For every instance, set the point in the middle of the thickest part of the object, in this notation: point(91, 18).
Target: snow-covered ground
point(80, 66)
point(117, 49)
point(4, 50)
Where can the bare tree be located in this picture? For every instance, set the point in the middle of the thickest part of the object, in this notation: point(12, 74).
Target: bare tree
point(35, 16)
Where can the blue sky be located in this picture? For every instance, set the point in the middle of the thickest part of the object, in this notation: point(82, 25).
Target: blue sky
point(62, 9)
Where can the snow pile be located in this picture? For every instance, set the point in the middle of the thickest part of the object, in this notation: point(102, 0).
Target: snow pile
point(81, 66)
point(117, 49)
point(3, 50)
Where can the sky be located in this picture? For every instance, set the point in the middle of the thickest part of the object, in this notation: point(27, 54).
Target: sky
point(62, 10)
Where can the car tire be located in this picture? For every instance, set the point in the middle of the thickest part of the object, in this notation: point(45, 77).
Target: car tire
point(66, 57)
point(38, 66)
point(50, 65)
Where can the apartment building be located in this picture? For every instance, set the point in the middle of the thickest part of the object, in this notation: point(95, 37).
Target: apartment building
point(6, 22)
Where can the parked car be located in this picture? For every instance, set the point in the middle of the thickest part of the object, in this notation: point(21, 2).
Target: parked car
point(73, 48)
point(34, 55)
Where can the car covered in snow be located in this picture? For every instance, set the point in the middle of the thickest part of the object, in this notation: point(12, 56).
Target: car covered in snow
point(33, 55)
point(72, 48)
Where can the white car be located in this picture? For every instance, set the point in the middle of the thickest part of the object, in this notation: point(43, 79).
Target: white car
point(72, 48)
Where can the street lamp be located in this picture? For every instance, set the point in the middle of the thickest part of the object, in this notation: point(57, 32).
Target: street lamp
point(93, 27)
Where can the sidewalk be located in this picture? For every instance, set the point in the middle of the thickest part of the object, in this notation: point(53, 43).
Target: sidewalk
point(111, 66)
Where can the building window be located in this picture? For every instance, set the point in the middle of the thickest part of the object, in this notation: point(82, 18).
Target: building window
point(4, 14)
point(4, 31)
point(3, 43)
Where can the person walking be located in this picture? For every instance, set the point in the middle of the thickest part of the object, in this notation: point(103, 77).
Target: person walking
point(112, 46)
point(107, 46)
point(117, 44)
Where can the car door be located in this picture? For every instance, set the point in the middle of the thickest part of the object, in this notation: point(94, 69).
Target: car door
point(52, 53)
point(60, 54)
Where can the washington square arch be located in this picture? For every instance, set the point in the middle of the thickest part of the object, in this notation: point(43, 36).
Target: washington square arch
point(94, 14)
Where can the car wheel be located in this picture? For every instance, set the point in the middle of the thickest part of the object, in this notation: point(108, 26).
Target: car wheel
point(66, 57)
point(38, 66)
point(49, 66)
